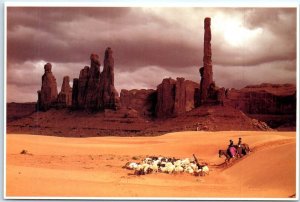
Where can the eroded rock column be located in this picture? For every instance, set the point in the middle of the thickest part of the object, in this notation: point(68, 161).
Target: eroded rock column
point(206, 71)
point(47, 96)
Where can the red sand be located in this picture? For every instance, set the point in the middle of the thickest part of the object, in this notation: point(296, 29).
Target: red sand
point(92, 167)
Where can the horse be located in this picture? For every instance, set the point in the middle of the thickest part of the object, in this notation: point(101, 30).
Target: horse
point(246, 148)
point(242, 150)
point(224, 153)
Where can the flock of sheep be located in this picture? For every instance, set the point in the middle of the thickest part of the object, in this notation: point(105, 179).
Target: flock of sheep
point(167, 165)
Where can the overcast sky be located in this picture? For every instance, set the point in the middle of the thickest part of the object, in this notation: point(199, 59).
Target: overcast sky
point(249, 45)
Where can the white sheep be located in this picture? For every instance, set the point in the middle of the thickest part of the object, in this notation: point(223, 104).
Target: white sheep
point(162, 164)
point(194, 166)
point(189, 169)
point(156, 162)
point(133, 165)
point(154, 167)
point(185, 161)
point(178, 163)
point(130, 165)
point(205, 170)
point(170, 168)
point(178, 169)
point(147, 160)
point(163, 169)
point(147, 168)
point(139, 170)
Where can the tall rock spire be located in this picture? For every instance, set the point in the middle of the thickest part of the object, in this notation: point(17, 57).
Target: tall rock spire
point(109, 95)
point(206, 71)
point(47, 96)
point(65, 96)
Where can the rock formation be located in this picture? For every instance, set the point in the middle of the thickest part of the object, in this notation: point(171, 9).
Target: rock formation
point(274, 104)
point(206, 71)
point(264, 99)
point(92, 85)
point(175, 97)
point(143, 101)
point(109, 97)
point(165, 98)
point(82, 86)
point(64, 98)
point(95, 90)
point(16, 111)
point(209, 92)
point(75, 91)
point(47, 96)
point(179, 104)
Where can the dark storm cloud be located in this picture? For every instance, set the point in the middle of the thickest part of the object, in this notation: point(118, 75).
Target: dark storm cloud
point(55, 34)
point(146, 41)
point(38, 33)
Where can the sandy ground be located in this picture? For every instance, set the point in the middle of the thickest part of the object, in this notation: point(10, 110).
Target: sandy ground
point(92, 167)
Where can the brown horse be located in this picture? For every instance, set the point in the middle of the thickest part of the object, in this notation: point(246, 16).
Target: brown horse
point(242, 150)
point(226, 154)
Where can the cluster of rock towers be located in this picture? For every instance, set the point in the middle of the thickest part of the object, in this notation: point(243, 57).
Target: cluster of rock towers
point(95, 91)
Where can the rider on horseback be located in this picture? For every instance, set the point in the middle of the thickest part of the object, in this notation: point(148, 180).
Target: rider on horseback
point(231, 150)
point(239, 142)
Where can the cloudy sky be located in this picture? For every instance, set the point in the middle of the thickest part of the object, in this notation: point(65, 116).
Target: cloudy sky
point(249, 45)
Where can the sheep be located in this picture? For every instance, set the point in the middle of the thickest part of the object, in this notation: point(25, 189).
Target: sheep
point(185, 161)
point(178, 163)
point(190, 170)
point(167, 165)
point(170, 168)
point(178, 169)
point(205, 170)
point(156, 162)
point(147, 160)
point(154, 167)
point(139, 170)
point(194, 166)
point(146, 168)
point(130, 165)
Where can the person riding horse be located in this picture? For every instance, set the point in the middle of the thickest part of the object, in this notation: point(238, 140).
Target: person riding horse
point(242, 148)
point(231, 149)
point(239, 142)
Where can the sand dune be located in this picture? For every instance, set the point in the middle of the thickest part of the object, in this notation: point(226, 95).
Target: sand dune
point(92, 167)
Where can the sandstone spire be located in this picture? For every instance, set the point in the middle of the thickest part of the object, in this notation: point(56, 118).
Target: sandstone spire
point(108, 94)
point(47, 96)
point(206, 71)
point(92, 85)
point(65, 96)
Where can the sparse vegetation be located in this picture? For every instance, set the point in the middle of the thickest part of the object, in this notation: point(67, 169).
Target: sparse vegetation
point(24, 151)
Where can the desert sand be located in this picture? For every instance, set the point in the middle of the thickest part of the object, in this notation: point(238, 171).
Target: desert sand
point(92, 167)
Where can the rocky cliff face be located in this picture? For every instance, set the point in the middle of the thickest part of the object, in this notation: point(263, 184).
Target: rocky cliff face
point(271, 103)
point(82, 87)
point(175, 97)
point(64, 98)
point(47, 96)
point(143, 101)
point(264, 99)
point(16, 111)
point(165, 98)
